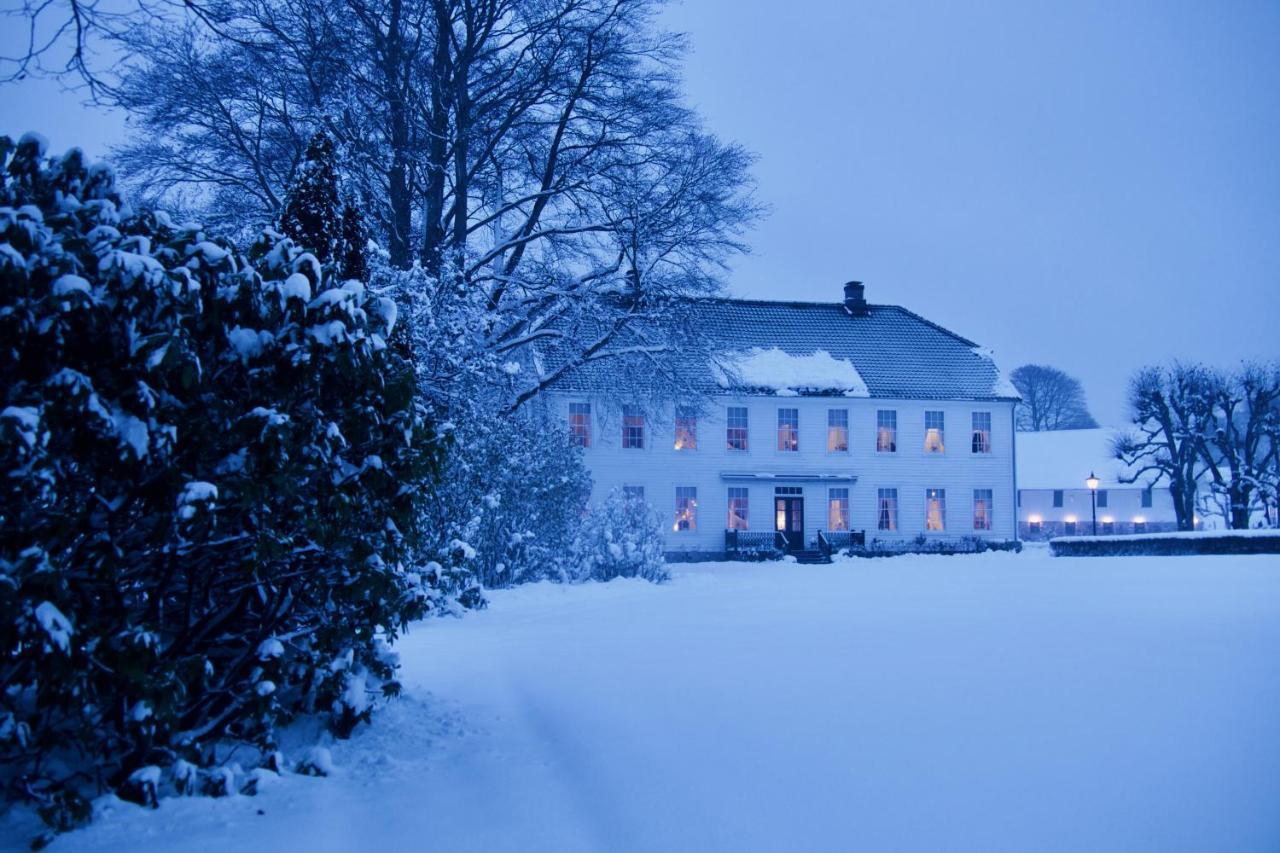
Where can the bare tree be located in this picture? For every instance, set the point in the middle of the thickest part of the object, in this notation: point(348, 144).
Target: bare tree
point(1172, 410)
point(1050, 400)
point(1239, 449)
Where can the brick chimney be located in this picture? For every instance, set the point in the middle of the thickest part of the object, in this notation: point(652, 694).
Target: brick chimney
point(854, 300)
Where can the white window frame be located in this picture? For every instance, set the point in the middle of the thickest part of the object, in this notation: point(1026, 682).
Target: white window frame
point(892, 426)
point(940, 495)
point(629, 412)
point(794, 426)
point(838, 429)
point(941, 417)
point(989, 496)
point(730, 424)
point(980, 440)
point(735, 521)
point(688, 416)
point(838, 496)
point(890, 494)
point(686, 498)
point(580, 430)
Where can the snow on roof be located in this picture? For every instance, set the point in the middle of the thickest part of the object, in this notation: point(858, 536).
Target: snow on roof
point(898, 354)
point(1063, 459)
point(787, 375)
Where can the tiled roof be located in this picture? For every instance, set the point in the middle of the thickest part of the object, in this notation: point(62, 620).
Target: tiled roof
point(899, 354)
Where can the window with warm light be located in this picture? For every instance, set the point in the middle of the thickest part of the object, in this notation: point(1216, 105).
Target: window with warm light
point(632, 428)
point(933, 432)
point(738, 508)
point(982, 509)
point(686, 429)
point(686, 508)
point(735, 433)
point(580, 424)
point(789, 429)
point(935, 510)
point(887, 509)
point(886, 431)
point(837, 431)
point(838, 509)
point(981, 432)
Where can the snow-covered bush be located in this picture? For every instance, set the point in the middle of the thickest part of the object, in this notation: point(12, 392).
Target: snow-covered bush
point(516, 495)
point(212, 460)
point(621, 537)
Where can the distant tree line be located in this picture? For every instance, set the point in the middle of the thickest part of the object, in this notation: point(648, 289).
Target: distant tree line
point(1051, 400)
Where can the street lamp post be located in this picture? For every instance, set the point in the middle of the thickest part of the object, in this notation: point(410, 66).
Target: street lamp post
point(1092, 483)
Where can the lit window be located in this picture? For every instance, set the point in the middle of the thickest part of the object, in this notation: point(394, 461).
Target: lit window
point(1146, 498)
point(935, 509)
point(1102, 497)
point(982, 509)
point(738, 507)
point(837, 431)
point(632, 428)
point(580, 424)
point(686, 429)
point(886, 431)
point(686, 508)
point(933, 430)
point(981, 432)
point(838, 509)
point(887, 513)
point(789, 429)
point(1057, 497)
point(735, 433)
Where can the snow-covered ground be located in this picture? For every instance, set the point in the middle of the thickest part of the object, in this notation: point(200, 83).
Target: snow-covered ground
point(987, 703)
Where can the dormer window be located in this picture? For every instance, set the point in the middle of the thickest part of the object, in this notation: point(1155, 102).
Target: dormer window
point(580, 424)
point(686, 429)
point(933, 432)
point(789, 430)
point(632, 428)
point(837, 430)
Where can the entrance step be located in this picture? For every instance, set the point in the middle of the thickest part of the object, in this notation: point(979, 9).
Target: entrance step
point(810, 557)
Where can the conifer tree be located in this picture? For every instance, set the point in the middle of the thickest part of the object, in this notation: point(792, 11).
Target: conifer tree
point(313, 212)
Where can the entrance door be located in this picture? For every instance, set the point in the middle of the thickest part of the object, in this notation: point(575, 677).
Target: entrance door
point(789, 518)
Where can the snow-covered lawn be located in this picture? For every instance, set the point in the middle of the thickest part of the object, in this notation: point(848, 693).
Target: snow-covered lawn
point(987, 703)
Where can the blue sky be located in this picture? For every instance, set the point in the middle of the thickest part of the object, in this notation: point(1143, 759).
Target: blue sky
point(1093, 185)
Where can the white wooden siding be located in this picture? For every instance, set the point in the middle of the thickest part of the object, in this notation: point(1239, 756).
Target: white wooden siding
point(659, 468)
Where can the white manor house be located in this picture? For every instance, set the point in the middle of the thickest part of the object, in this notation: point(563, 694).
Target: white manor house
point(831, 421)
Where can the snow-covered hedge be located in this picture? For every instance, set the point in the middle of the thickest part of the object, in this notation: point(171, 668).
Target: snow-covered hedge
point(621, 537)
point(1181, 543)
point(211, 458)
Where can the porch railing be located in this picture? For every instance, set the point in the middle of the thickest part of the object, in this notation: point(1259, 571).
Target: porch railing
point(830, 541)
point(755, 541)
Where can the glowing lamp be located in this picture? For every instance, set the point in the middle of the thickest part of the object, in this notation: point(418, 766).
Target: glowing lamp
point(1092, 482)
